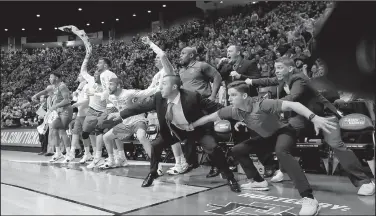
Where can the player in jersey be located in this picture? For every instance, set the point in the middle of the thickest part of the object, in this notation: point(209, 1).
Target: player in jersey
point(82, 105)
point(121, 99)
point(64, 112)
point(165, 68)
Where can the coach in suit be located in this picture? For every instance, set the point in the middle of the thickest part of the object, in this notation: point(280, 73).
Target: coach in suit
point(177, 109)
point(235, 67)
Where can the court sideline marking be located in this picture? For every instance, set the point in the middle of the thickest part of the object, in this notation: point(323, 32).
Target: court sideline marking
point(62, 198)
point(158, 203)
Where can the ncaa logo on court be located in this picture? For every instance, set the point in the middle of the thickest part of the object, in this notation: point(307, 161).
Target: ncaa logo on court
point(254, 208)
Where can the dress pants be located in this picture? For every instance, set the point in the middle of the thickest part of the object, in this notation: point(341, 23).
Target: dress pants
point(283, 141)
point(43, 139)
point(348, 160)
point(203, 138)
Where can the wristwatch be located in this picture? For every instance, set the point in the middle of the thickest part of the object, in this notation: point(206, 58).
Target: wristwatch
point(311, 116)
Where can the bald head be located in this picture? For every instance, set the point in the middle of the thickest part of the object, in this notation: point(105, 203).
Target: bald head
point(191, 50)
point(187, 55)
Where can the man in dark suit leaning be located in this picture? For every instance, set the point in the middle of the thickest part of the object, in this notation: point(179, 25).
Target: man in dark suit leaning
point(235, 67)
point(296, 87)
point(177, 109)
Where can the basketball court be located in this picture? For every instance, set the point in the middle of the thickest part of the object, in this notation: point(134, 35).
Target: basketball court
point(33, 186)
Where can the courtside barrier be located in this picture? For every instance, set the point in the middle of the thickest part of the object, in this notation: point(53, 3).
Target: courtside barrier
point(26, 137)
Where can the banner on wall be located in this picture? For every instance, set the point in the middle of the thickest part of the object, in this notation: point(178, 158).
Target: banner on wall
point(27, 137)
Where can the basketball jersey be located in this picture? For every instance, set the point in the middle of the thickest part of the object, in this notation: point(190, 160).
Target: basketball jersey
point(58, 97)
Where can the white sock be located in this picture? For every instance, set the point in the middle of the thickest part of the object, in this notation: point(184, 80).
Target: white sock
point(73, 151)
point(94, 150)
point(87, 150)
point(98, 154)
point(111, 157)
point(177, 160)
point(67, 150)
point(58, 150)
point(160, 166)
point(182, 160)
point(122, 154)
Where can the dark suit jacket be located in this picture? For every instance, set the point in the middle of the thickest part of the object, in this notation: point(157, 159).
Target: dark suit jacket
point(193, 105)
point(246, 69)
point(300, 91)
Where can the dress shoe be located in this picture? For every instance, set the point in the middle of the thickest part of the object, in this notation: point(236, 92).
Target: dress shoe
point(234, 186)
point(41, 153)
point(149, 180)
point(214, 171)
point(48, 154)
point(191, 167)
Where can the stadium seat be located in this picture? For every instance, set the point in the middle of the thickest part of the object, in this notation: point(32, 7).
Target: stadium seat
point(311, 153)
point(358, 132)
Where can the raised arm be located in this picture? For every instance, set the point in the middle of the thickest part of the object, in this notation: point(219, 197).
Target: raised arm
point(169, 69)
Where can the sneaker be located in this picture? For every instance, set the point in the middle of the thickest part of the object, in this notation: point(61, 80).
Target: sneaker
point(68, 158)
point(367, 189)
point(309, 206)
point(86, 158)
point(56, 157)
point(94, 163)
point(253, 185)
point(278, 177)
point(121, 162)
point(174, 170)
point(108, 164)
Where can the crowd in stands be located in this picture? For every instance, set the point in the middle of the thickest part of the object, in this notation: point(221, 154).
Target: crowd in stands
point(263, 32)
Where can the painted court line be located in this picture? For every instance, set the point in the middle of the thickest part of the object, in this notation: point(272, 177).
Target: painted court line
point(62, 198)
point(130, 162)
point(158, 203)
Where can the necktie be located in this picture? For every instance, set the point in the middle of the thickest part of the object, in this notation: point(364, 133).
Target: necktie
point(169, 114)
point(169, 117)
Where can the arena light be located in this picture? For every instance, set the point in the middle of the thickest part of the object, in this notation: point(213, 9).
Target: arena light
point(23, 29)
point(40, 29)
point(102, 22)
point(163, 5)
point(134, 15)
point(221, 2)
point(55, 28)
point(117, 19)
point(38, 15)
point(149, 11)
point(79, 9)
point(254, 2)
point(87, 24)
point(42, 44)
point(5, 29)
